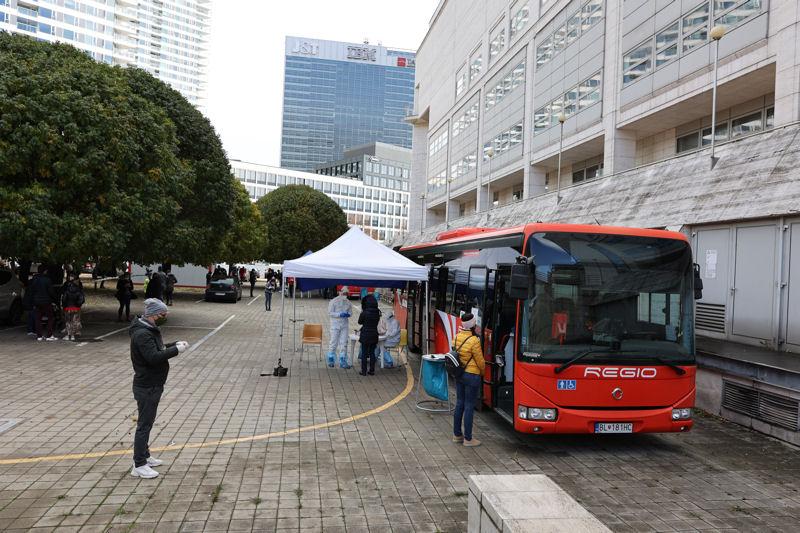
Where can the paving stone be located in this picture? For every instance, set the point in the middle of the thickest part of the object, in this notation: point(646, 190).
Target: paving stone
point(393, 471)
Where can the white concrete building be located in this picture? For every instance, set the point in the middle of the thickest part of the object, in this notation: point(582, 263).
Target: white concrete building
point(633, 82)
point(167, 38)
point(381, 212)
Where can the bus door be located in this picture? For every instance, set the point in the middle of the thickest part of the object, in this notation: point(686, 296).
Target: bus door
point(500, 323)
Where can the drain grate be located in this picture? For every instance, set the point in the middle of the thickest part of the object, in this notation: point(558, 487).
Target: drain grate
point(768, 407)
point(8, 423)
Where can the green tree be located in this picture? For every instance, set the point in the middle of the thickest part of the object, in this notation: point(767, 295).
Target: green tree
point(207, 210)
point(299, 218)
point(246, 241)
point(87, 168)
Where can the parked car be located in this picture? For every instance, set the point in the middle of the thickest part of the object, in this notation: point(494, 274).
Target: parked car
point(10, 297)
point(224, 289)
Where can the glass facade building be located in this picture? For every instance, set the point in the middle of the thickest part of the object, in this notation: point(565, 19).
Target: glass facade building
point(339, 95)
point(167, 38)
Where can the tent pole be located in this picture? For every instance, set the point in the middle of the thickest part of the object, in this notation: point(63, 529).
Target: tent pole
point(283, 308)
point(426, 341)
point(294, 314)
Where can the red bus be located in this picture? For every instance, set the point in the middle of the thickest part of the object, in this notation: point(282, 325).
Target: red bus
point(585, 329)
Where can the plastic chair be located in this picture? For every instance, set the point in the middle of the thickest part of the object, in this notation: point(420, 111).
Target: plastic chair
point(312, 334)
point(401, 348)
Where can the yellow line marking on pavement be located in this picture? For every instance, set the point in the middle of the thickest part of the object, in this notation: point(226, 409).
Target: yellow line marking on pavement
point(116, 453)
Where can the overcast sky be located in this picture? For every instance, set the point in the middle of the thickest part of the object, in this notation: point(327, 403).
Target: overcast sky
point(245, 88)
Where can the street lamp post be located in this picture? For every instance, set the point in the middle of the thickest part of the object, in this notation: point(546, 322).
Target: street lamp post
point(717, 32)
point(561, 119)
point(490, 155)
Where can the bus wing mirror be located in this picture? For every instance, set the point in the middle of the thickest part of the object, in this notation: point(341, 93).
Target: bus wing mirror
point(698, 283)
point(518, 283)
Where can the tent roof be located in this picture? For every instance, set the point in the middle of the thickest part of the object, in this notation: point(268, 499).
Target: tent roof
point(352, 258)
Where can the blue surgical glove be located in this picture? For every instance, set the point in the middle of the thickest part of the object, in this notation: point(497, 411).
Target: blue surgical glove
point(344, 315)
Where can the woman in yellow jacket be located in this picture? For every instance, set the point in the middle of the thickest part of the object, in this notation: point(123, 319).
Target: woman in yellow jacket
point(469, 349)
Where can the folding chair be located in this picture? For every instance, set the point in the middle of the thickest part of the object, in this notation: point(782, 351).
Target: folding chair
point(312, 334)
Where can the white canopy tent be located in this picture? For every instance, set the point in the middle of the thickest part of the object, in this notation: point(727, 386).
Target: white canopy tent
point(352, 259)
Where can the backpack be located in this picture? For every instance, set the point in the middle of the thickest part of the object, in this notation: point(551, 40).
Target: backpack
point(383, 327)
point(452, 361)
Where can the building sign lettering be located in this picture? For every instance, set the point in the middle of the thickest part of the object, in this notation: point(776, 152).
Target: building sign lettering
point(362, 53)
point(306, 48)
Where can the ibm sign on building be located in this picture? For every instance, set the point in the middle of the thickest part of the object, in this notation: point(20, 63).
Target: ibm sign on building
point(341, 95)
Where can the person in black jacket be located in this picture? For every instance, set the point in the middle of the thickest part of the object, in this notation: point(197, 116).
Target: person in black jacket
point(369, 318)
point(72, 299)
point(124, 296)
point(43, 296)
point(253, 278)
point(149, 356)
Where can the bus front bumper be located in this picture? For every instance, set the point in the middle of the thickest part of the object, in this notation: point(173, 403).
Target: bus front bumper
point(658, 420)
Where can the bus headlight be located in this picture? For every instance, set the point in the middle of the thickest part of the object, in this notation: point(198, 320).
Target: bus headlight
point(682, 414)
point(537, 413)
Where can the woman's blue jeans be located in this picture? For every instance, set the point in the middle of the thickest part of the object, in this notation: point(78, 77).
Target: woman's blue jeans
point(466, 393)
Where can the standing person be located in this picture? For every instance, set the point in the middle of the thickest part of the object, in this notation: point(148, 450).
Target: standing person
point(468, 345)
point(369, 318)
point(27, 305)
point(124, 295)
point(253, 278)
point(72, 299)
point(170, 287)
point(392, 337)
point(149, 356)
point(42, 298)
point(154, 288)
point(270, 287)
point(340, 310)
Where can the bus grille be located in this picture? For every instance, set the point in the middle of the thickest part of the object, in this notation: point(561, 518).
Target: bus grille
point(767, 407)
point(710, 317)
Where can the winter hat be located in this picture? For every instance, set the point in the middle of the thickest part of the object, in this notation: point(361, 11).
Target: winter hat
point(467, 321)
point(153, 307)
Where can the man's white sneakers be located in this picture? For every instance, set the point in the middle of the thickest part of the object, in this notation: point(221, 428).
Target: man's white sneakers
point(144, 471)
point(152, 461)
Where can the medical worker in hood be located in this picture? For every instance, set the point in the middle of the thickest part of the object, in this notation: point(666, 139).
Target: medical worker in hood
point(339, 310)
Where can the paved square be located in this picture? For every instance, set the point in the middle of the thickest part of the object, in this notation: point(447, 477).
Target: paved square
point(251, 453)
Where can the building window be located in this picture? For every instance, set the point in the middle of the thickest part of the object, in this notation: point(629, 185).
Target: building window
point(737, 14)
point(581, 21)
point(667, 44)
point(498, 43)
point(574, 100)
point(516, 194)
point(637, 62)
point(475, 66)
point(463, 122)
point(437, 143)
point(503, 141)
point(740, 126)
point(513, 79)
point(587, 173)
point(461, 81)
point(746, 125)
point(695, 28)
point(519, 19)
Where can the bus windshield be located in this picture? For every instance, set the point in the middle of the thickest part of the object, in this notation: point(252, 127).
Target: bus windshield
point(608, 299)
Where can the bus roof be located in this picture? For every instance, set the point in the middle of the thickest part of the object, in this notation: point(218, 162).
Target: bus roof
point(490, 235)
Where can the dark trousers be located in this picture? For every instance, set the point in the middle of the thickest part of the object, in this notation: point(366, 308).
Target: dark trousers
point(45, 310)
point(168, 295)
point(124, 304)
point(32, 320)
point(369, 349)
point(268, 301)
point(466, 394)
point(147, 399)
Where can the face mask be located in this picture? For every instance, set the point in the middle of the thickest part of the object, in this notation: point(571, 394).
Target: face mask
point(160, 321)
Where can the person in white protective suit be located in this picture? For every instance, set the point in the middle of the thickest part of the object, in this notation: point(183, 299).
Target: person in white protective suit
point(339, 310)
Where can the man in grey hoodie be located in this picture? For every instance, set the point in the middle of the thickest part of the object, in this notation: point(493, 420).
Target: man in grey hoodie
point(149, 356)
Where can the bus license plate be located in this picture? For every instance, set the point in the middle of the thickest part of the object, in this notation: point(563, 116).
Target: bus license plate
point(613, 427)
